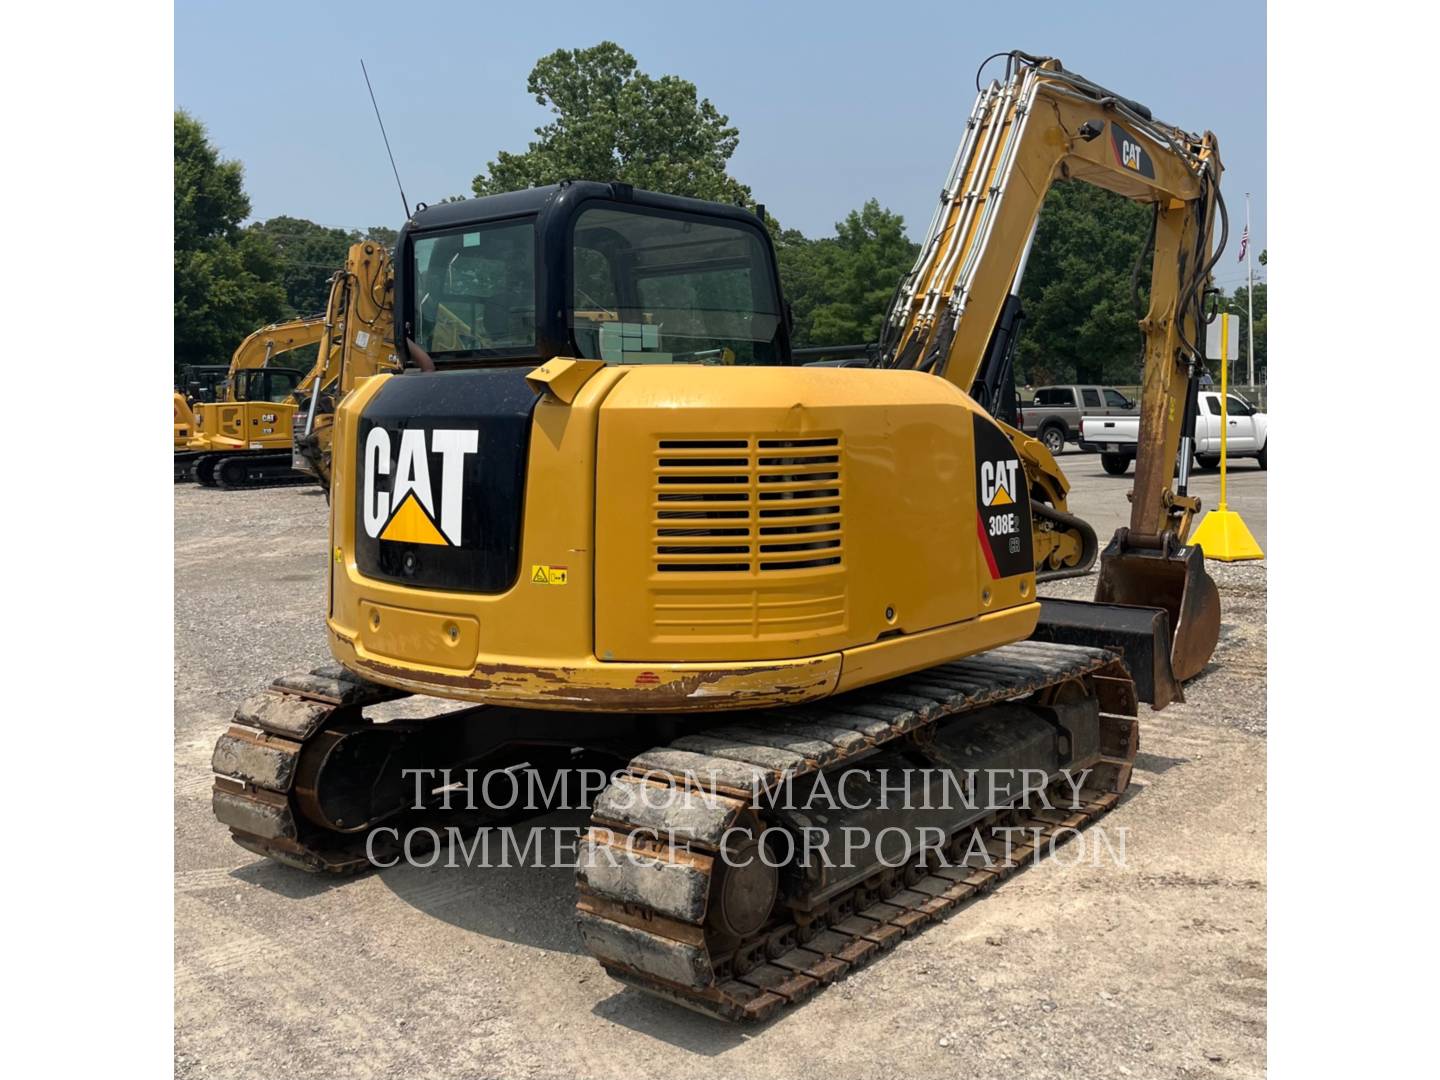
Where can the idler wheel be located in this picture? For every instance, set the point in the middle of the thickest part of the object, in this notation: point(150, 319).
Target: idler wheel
point(744, 891)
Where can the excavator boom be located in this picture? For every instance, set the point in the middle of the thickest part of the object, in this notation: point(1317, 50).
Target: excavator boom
point(1041, 125)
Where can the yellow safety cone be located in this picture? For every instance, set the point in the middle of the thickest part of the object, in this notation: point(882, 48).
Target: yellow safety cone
point(1221, 534)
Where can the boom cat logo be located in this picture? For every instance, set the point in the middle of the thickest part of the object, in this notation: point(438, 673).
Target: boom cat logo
point(1129, 154)
point(401, 500)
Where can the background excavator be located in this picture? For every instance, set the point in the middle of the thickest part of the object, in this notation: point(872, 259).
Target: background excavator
point(195, 383)
point(358, 333)
point(242, 437)
point(619, 519)
point(267, 424)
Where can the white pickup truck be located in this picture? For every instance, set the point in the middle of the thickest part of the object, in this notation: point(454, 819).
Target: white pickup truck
point(1115, 436)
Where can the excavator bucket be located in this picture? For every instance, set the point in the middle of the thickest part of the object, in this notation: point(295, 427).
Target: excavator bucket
point(1155, 604)
point(1168, 576)
point(1142, 634)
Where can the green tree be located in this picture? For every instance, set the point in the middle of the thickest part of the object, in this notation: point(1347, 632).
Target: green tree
point(1237, 304)
point(614, 122)
point(800, 278)
point(1080, 321)
point(225, 277)
point(307, 254)
point(383, 235)
point(858, 273)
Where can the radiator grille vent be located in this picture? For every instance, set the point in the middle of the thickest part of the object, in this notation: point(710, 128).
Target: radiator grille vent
point(748, 505)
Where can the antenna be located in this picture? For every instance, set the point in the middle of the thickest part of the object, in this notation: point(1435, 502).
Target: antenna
point(403, 201)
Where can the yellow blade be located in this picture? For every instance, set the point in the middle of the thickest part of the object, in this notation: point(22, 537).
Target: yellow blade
point(1223, 536)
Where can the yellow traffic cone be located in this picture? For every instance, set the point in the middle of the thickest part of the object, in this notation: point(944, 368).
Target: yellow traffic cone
point(1222, 535)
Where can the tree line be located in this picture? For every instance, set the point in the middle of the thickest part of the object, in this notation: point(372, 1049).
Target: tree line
point(613, 122)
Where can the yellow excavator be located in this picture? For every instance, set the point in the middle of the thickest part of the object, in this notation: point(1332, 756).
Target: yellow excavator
point(617, 520)
point(268, 425)
point(242, 438)
point(184, 427)
point(195, 383)
point(359, 328)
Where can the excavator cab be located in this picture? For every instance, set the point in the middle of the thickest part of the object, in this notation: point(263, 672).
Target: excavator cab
point(203, 382)
point(266, 384)
point(591, 271)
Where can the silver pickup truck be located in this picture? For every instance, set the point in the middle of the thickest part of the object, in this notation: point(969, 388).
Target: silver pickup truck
point(1053, 413)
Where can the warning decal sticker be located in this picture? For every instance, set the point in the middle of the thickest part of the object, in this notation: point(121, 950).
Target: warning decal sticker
point(549, 575)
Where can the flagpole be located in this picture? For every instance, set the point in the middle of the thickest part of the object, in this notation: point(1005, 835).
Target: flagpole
point(1249, 303)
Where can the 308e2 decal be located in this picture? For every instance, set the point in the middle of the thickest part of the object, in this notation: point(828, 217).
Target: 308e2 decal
point(1002, 512)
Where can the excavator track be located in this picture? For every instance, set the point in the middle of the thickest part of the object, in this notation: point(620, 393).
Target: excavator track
point(242, 469)
point(651, 875)
point(261, 788)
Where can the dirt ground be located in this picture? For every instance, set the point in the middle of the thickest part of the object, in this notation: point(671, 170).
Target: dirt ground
point(1154, 967)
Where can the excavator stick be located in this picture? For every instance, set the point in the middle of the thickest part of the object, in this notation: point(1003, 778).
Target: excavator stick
point(1169, 576)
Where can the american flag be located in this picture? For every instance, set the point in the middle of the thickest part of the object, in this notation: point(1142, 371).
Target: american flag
point(1244, 243)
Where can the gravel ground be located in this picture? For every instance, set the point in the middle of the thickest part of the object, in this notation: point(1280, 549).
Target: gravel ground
point(1154, 965)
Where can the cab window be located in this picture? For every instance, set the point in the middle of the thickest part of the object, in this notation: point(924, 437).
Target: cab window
point(667, 288)
point(282, 385)
point(1055, 395)
point(475, 290)
point(1116, 400)
point(1236, 406)
point(1091, 398)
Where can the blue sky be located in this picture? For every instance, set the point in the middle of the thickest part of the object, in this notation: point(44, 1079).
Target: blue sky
point(836, 102)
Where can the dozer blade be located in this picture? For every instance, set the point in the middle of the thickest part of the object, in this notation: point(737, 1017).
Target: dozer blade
point(1167, 576)
point(1142, 633)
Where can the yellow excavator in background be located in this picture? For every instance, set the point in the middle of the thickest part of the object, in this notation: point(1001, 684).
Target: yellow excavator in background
point(269, 426)
point(242, 439)
point(619, 521)
point(184, 425)
point(195, 383)
point(358, 330)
